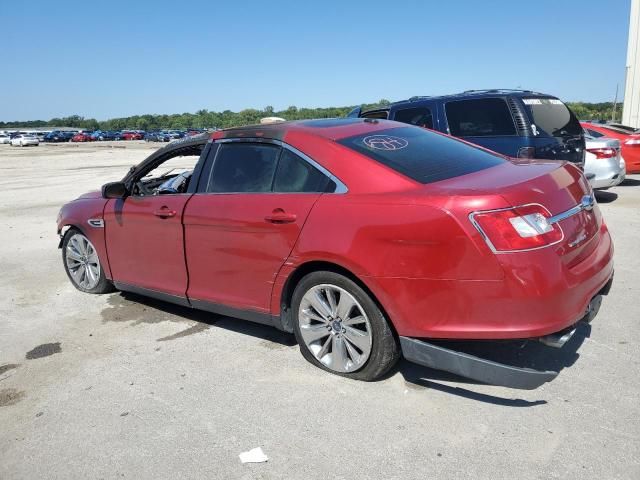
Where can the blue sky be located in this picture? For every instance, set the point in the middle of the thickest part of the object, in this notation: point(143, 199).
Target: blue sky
point(111, 59)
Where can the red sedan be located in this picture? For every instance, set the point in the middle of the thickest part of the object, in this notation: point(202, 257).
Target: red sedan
point(82, 137)
point(629, 141)
point(132, 136)
point(365, 238)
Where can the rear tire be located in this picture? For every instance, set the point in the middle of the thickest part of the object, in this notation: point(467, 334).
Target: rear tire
point(341, 329)
point(82, 264)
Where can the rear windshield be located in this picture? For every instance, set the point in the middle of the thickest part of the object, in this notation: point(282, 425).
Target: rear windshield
point(552, 117)
point(420, 154)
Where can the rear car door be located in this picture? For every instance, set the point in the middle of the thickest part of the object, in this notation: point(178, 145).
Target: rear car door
point(144, 233)
point(242, 224)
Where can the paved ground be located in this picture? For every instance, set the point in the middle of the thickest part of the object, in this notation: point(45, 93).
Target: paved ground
point(118, 386)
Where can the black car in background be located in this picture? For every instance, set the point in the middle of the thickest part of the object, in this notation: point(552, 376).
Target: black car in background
point(58, 136)
point(517, 123)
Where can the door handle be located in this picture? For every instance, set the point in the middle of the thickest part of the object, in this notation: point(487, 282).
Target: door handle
point(279, 216)
point(165, 212)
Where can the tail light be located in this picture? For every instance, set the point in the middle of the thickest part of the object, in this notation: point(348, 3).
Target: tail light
point(603, 152)
point(516, 229)
point(526, 152)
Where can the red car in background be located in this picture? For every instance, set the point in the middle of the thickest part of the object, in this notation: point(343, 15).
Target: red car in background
point(365, 238)
point(82, 137)
point(132, 136)
point(629, 141)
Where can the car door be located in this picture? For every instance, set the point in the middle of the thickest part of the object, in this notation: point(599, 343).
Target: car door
point(243, 223)
point(144, 234)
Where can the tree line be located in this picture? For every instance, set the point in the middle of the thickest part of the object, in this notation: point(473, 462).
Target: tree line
point(227, 118)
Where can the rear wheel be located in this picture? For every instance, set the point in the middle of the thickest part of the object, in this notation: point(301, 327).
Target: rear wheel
point(341, 329)
point(82, 264)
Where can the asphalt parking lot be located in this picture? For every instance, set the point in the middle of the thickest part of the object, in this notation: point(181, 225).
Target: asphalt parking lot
point(120, 386)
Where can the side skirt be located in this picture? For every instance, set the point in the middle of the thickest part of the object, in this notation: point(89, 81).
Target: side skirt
point(249, 315)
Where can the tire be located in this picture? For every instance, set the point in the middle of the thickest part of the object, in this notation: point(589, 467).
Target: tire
point(354, 342)
point(89, 276)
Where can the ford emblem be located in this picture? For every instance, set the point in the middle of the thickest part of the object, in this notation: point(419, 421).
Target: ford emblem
point(587, 202)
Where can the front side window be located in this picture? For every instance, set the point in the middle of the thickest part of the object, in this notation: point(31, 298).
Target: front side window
point(484, 117)
point(171, 175)
point(420, 117)
point(244, 167)
point(297, 175)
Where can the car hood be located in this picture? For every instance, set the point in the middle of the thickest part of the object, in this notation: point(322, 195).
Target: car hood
point(90, 195)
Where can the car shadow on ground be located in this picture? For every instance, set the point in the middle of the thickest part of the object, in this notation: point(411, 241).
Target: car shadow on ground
point(630, 182)
point(602, 196)
point(262, 332)
point(523, 354)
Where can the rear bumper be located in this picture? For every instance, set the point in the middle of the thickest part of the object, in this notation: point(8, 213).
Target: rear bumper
point(489, 371)
point(539, 295)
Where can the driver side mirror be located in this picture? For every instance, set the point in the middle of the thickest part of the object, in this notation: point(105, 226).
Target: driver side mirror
point(114, 190)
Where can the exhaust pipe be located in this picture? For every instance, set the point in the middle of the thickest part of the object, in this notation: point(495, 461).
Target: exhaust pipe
point(558, 339)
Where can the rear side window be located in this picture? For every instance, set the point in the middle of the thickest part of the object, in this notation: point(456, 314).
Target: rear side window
point(552, 117)
point(296, 175)
point(593, 133)
point(422, 155)
point(485, 117)
point(244, 167)
point(415, 116)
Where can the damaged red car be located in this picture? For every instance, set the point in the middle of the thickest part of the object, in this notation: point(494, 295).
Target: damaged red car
point(367, 239)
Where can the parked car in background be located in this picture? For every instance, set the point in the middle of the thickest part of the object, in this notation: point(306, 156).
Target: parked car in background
point(5, 139)
point(517, 123)
point(25, 140)
point(604, 165)
point(82, 137)
point(107, 135)
point(440, 239)
point(629, 141)
point(41, 135)
point(59, 136)
point(157, 136)
point(132, 135)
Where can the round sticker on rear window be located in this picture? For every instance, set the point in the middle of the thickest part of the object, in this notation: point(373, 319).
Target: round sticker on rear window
point(385, 142)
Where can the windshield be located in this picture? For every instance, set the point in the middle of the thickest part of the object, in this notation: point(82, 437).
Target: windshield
point(422, 155)
point(552, 117)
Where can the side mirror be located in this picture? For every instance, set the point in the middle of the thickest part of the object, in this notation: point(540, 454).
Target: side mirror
point(114, 190)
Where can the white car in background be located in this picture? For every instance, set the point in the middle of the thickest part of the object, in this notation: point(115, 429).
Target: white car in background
point(24, 140)
point(4, 139)
point(603, 162)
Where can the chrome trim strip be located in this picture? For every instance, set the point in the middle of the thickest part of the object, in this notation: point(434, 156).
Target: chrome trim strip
point(586, 203)
point(340, 186)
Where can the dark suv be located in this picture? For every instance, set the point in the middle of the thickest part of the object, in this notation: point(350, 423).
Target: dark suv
point(517, 123)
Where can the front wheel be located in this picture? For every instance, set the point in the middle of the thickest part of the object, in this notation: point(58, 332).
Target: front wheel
point(82, 264)
point(341, 329)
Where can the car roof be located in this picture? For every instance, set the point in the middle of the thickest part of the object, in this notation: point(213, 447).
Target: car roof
point(467, 94)
point(329, 128)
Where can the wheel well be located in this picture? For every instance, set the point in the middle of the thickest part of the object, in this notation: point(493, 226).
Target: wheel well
point(316, 266)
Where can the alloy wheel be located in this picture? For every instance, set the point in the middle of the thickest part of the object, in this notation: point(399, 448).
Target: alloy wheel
point(82, 261)
point(335, 328)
